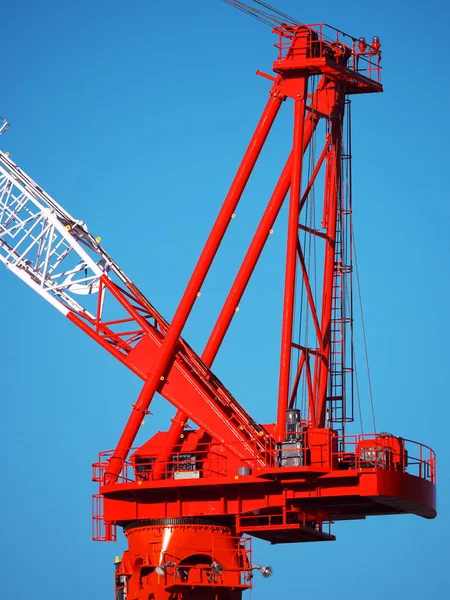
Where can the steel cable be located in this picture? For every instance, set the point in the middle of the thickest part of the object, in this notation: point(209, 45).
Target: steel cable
point(369, 379)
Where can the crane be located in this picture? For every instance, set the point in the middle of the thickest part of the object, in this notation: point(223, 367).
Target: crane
point(191, 498)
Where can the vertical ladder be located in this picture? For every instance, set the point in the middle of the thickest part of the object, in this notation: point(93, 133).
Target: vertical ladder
point(340, 364)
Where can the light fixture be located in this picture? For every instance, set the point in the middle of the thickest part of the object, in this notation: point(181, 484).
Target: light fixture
point(362, 44)
point(161, 569)
point(216, 567)
point(376, 44)
point(265, 571)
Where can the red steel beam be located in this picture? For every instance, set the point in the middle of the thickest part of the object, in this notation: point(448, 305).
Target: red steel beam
point(312, 408)
point(331, 207)
point(198, 276)
point(301, 363)
point(309, 293)
point(320, 99)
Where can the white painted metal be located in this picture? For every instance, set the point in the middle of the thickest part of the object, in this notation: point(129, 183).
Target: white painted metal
point(4, 125)
point(46, 247)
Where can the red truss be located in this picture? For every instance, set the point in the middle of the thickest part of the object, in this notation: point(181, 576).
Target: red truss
point(186, 497)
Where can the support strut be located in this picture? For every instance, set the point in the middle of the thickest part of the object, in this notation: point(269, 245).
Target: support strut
point(198, 276)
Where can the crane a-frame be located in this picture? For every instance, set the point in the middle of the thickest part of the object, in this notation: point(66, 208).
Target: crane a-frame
point(190, 499)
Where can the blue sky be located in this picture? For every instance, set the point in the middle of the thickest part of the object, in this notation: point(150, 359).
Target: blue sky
point(134, 116)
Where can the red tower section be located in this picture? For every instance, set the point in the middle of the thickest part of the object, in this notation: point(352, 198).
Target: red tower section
point(189, 499)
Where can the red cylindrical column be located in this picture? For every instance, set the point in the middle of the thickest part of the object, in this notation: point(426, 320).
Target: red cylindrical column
point(248, 265)
point(291, 258)
point(183, 558)
point(320, 100)
point(192, 289)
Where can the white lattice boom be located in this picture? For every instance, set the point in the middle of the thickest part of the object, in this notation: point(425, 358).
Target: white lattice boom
point(57, 257)
point(45, 246)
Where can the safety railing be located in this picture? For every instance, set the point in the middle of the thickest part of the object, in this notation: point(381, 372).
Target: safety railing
point(102, 531)
point(307, 450)
point(230, 564)
point(386, 452)
point(285, 518)
point(421, 460)
point(99, 469)
point(328, 42)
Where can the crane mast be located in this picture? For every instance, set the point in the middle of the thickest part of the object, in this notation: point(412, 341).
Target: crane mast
point(191, 498)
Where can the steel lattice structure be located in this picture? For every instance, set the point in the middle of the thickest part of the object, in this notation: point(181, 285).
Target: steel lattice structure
point(189, 499)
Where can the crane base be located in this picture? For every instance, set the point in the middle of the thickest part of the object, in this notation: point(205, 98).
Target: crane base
point(183, 558)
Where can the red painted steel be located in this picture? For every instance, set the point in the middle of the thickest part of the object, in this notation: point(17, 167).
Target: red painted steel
point(321, 100)
point(172, 336)
point(190, 499)
point(190, 560)
point(189, 385)
point(187, 497)
point(291, 256)
point(332, 183)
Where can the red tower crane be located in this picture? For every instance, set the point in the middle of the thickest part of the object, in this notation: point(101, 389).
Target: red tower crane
point(190, 499)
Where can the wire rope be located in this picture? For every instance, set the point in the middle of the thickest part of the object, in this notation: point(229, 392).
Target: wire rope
point(369, 379)
point(278, 12)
